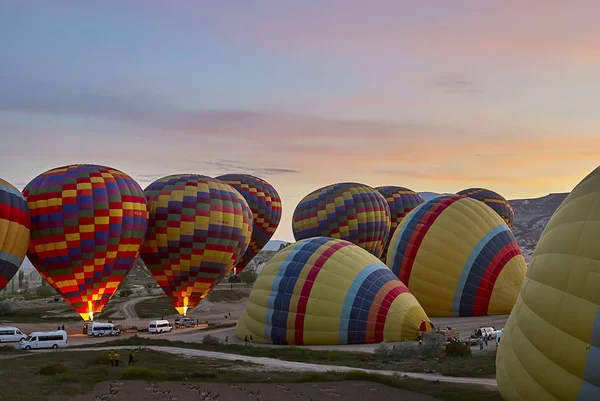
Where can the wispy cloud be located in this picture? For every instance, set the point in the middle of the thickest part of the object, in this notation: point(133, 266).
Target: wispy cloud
point(456, 84)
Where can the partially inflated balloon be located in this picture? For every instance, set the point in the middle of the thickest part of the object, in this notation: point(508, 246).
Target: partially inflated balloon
point(14, 231)
point(401, 201)
point(328, 291)
point(199, 228)
point(493, 200)
point(458, 258)
point(87, 224)
point(550, 346)
point(265, 203)
point(348, 211)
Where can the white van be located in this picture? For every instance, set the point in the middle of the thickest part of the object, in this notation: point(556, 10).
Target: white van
point(102, 329)
point(8, 334)
point(48, 339)
point(159, 326)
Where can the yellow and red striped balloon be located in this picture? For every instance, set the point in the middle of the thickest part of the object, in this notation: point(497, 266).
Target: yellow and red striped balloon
point(87, 225)
point(14, 231)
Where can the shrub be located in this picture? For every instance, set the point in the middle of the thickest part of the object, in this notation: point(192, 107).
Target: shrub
point(405, 349)
point(44, 292)
point(210, 340)
point(432, 344)
point(383, 349)
point(54, 369)
point(5, 309)
point(458, 350)
point(125, 292)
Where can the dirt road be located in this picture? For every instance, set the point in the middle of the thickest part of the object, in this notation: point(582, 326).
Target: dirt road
point(279, 365)
point(128, 308)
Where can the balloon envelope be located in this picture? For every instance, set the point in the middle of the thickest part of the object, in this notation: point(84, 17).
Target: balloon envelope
point(550, 346)
point(14, 231)
point(494, 200)
point(87, 224)
point(348, 211)
point(328, 291)
point(265, 203)
point(458, 258)
point(400, 201)
point(199, 227)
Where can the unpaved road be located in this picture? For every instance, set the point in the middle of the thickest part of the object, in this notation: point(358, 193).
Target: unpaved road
point(280, 365)
point(128, 308)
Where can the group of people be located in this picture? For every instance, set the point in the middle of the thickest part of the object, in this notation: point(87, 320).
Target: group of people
point(246, 339)
point(113, 357)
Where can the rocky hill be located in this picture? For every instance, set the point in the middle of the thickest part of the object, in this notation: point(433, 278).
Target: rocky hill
point(531, 217)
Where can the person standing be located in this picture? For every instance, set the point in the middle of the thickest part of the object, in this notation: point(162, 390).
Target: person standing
point(131, 357)
point(116, 357)
point(111, 358)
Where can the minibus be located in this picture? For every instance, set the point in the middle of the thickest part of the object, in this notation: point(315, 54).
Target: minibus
point(45, 339)
point(159, 326)
point(11, 334)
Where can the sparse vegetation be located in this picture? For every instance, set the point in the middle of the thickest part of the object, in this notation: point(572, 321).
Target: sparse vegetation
point(477, 366)
point(66, 374)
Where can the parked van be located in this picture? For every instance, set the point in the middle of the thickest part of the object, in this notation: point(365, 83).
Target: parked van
point(48, 339)
point(159, 326)
point(185, 322)
point(9, 334)
point(102, 329)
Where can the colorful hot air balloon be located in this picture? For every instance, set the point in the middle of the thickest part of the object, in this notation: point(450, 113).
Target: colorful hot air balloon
point(14, 231)
point(401, 201)
point(199, 228)
point(327, 291)
point(87, 224)
point(458, 258)
point(348, 211)
point(265, 203)
point(493, 200)
point(550, 346)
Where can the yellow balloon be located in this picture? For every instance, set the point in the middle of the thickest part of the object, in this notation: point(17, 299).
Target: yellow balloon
point(550, 347)
point(458, 257)
point(329, 291)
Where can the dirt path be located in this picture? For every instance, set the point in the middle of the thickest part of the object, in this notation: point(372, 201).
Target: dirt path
point(280, 365)
point(128, 307)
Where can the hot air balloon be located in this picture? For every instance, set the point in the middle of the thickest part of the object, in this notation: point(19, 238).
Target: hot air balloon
point(322, 291)
point(493, 200)
point(87, 224)
point(265, 203)
point(199, 228)
point(550, 346)
point(401, 201)
point(458, 258)
point(14, 231)
point(348, 211)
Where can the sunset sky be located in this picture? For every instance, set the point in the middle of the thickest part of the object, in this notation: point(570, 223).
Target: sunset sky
point(431, 95)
